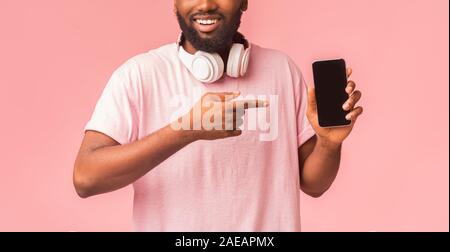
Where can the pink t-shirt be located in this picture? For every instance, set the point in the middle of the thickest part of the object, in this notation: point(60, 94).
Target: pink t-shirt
point(247, 183)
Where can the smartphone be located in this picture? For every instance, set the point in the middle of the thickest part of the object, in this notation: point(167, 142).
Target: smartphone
point(330, 81)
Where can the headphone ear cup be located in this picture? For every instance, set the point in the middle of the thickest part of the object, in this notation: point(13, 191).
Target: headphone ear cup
point(244, 61)
point(219, 66)
point(207, 67)
point(235, 60)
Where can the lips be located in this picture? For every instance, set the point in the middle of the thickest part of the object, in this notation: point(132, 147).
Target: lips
point(206, 23)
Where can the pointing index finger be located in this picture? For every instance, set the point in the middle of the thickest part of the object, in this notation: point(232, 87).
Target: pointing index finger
point(247, 104)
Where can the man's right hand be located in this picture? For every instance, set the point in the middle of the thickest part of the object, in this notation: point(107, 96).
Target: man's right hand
point(103, 165)
point(217, 116)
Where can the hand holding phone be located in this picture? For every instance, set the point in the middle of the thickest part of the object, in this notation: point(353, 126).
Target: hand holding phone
point(330, 79)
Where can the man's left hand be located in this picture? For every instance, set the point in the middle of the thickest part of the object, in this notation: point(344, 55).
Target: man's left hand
point(336, 135)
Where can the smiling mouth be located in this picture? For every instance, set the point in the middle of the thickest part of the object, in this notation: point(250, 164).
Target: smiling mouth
point(206, 21)
point(206, 24)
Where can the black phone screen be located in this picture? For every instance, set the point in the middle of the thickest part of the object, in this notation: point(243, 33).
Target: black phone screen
point(330, 79)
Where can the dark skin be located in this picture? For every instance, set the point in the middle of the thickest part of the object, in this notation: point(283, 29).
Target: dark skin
point(226, 7)
point(320, 156)
point(103, 165)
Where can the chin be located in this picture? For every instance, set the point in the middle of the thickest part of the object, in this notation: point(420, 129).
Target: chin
point(211, 35)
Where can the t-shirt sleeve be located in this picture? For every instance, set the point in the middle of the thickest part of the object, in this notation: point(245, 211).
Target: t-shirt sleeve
point(115, 113)
point(304, 129)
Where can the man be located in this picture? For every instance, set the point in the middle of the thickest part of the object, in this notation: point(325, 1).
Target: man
point(207, 178)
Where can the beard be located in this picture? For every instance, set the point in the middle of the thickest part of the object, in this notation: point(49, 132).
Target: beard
point(220, 40)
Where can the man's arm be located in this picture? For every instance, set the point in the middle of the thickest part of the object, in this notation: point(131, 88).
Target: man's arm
point(319, 165)
point(320, 156)
point(103, 165)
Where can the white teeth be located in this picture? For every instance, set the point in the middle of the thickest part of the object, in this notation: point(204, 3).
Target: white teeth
point(206, 21)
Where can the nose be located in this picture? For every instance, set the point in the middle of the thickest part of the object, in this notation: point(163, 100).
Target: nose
point(205, 6)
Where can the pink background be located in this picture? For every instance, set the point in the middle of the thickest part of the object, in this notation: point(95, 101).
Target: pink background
point(56, 56)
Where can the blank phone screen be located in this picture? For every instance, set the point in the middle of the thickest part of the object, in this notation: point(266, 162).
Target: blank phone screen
point(330, 81)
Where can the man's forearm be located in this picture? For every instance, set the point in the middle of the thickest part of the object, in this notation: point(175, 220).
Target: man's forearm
point(320, 168)
point(110, 168)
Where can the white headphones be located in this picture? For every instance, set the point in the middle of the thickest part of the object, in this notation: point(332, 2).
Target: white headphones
point(209, 67)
